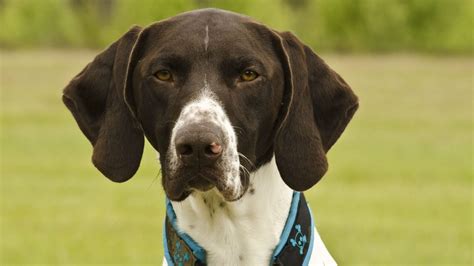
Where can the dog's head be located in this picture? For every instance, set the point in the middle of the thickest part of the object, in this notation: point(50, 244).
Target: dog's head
point(217, 95)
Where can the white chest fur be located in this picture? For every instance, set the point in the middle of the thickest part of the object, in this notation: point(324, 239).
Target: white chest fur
point(243, 232)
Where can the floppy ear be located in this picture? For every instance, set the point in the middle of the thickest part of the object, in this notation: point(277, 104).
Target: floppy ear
point(95, 99)
point(317, 107)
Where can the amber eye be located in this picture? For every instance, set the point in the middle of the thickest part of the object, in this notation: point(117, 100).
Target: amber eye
point(164, 75)
point(248, 75)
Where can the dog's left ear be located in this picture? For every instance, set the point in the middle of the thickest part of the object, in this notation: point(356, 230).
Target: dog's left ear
point(317, 106)
point(95, 99)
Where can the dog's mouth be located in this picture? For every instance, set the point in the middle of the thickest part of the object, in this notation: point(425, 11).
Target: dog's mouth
point(204, 179)
point(184, 182)
point(200, 183)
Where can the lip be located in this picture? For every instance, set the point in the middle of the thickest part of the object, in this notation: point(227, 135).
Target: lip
point(182, 195)
point(186, 181)
point(200, 183)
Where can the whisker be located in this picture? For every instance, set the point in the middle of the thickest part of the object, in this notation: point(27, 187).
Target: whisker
point(247, 159)
point(244, 169)
point(239, 130)
point(155, 178)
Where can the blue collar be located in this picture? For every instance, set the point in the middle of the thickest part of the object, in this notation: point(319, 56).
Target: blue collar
point(294, 248)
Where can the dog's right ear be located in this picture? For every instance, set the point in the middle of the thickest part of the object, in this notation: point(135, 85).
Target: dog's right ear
point(317, 106)
point(95, 99)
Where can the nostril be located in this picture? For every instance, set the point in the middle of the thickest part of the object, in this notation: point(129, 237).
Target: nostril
point(213, 149)
point(184, 149)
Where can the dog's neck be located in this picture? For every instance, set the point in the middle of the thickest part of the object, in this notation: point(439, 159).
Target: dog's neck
point(244, 232)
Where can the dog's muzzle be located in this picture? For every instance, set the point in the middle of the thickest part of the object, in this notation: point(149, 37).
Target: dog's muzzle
point(203, 152)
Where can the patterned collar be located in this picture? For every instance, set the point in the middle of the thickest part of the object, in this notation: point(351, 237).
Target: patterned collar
point(294, 248)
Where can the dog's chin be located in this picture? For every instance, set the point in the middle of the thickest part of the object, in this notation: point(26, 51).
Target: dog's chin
point(203, 182)
point(233, 193)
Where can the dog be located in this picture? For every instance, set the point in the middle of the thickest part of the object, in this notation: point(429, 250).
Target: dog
point(242, 117)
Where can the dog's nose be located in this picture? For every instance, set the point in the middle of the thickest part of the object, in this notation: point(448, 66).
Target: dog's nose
point(199, 145)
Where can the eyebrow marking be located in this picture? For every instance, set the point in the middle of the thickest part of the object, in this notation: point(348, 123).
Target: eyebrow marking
point(206, 39)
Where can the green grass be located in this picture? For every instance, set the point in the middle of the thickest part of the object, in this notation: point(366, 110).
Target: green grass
point(399, 189)
point(428, 26)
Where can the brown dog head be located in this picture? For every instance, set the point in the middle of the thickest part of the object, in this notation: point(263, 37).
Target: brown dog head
point(217, 95)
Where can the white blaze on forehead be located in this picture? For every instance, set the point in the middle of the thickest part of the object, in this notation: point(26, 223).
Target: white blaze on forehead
point(207, 109)
point(206, 39)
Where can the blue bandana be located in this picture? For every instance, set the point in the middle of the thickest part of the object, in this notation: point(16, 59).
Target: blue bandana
point(294, 248)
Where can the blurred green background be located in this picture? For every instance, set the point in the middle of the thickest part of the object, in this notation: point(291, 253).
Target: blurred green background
point(399, 190)
point(434, 26)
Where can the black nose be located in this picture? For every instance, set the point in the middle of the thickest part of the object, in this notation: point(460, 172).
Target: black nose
point(199, 145)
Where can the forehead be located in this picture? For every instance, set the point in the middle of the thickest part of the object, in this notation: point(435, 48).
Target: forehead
point(209, 33)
